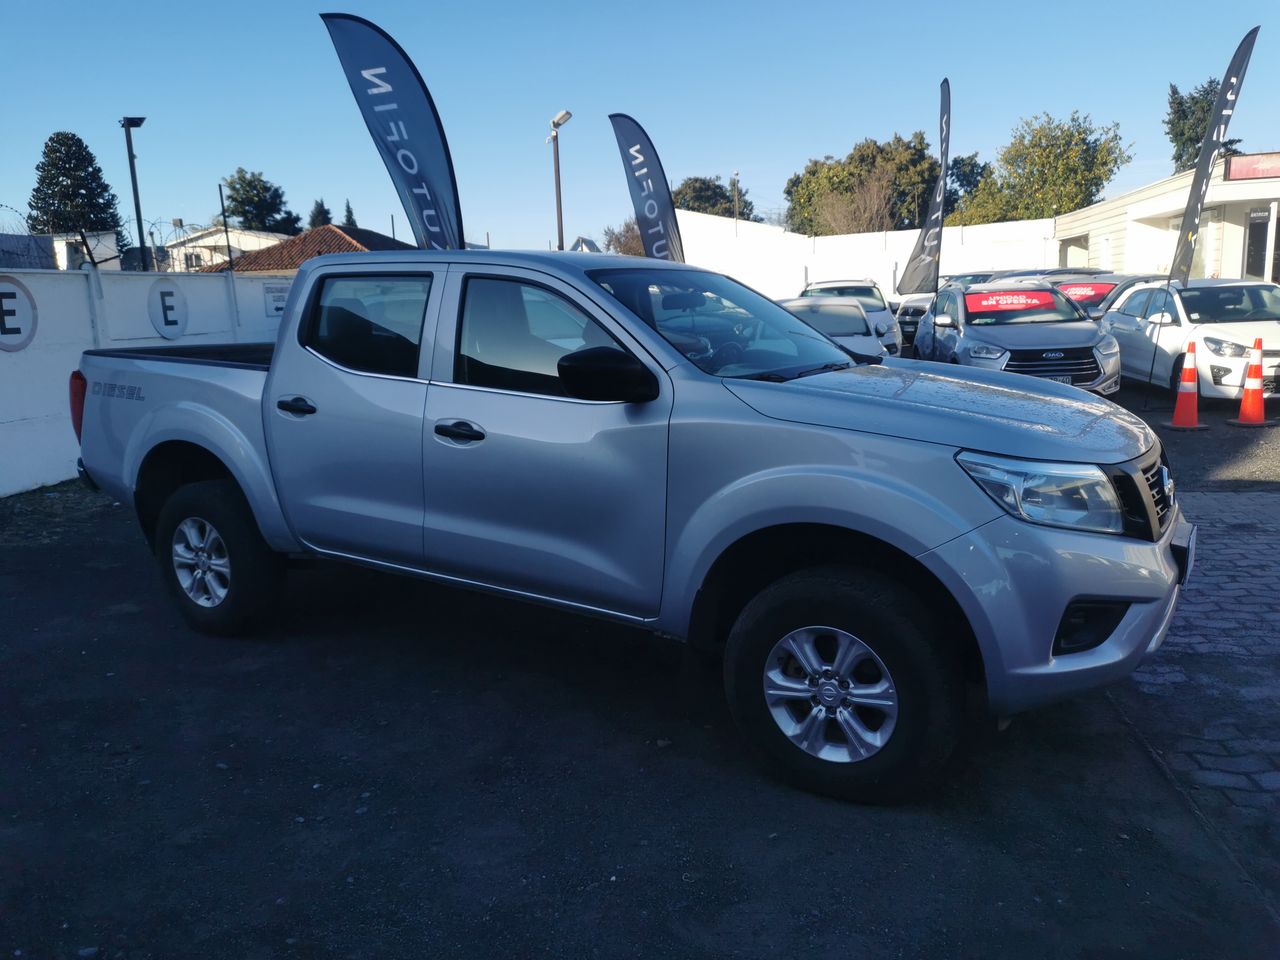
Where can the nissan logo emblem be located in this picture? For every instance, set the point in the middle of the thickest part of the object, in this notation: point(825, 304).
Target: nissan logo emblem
point(1054, 355)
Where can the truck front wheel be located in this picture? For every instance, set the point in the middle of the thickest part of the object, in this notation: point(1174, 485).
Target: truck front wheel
point(213, 559)
point(843, 686)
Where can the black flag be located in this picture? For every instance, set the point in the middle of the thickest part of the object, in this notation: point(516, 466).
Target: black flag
point(405, 127)
point(921, 272)
point(1180, 268)
point(650, 195)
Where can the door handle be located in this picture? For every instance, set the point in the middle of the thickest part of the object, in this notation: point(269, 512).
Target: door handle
point(297, 405)
point(459, 430)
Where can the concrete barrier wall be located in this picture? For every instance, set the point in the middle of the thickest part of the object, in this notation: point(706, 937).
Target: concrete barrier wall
point(777, 263)
point(76, 311)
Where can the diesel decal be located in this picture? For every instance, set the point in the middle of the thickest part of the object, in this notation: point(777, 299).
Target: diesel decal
point(117, 391)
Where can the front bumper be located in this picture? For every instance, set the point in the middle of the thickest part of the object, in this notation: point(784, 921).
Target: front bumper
point(1223, 377)
point(1015, 579)
point(1107, 382)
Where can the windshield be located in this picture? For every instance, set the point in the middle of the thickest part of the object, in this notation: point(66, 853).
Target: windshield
point(1018, 306)
point(723, 327)
point(1259, 301)
point(833, 319)
point(868, 296)
point(1087, 293)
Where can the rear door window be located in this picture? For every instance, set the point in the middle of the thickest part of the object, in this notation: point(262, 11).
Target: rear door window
point(370, 324)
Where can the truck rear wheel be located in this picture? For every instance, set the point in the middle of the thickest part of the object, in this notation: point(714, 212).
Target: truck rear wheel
point(843, 687)
point(213, 558)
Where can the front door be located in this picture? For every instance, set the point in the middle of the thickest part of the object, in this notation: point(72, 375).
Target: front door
point(344, 413)
point(529, 489)
point(1126, 324)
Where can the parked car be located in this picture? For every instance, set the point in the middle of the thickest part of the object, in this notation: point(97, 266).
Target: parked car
point(966, 278)
point(909, 313)
point(840, 318)
point(1154, 322)
point(873, 302)
point(1123, 282)
point(1047, 272)
point(1021, 327)
point(865, 542)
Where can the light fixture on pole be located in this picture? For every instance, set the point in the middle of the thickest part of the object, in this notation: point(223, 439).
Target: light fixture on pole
point(735, 198)
point(558, 121)
point(130, 124)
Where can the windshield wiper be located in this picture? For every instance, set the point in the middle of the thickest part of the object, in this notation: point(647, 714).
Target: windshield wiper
point(767, 377)
point(845, 365)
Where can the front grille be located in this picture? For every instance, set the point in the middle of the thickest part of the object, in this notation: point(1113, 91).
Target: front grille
point(1078, 363)
point(1145, 498)
point(1271, 353)
point(1153, 474)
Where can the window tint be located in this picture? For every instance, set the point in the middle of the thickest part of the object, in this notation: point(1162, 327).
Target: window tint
point(512, 335)
point(1136, 304)
point(371, 324)
point(1159, 303)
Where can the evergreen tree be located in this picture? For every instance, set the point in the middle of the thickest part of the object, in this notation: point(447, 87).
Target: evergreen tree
point(258, 204)
point(320, 215)
point(1188, 119)
point(349, 218)
point(70, 192)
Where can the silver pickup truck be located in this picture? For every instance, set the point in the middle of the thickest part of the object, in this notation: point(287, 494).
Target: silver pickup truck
point(870, 544)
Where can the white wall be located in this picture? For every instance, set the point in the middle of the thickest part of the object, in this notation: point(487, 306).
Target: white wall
point(80, 310)
point(774, 261)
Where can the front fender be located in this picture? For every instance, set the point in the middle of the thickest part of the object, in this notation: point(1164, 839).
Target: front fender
point(243, 451)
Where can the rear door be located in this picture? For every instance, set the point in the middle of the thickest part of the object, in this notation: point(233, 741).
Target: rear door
point(344, 407)
point(527, 488)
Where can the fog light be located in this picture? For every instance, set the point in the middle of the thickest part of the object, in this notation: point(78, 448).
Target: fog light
point(1218, 374)
point(1087, 623)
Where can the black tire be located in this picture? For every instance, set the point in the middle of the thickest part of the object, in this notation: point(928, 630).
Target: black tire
point(885, 616)
point(254, 569)
point(1175, 377)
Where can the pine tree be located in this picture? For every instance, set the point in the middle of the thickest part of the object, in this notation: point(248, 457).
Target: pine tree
point(258, 204)
point(349, 218)
point(320, 215)
point(70, 192)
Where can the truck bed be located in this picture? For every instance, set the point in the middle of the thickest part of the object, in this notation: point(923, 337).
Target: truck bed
point(252, 356)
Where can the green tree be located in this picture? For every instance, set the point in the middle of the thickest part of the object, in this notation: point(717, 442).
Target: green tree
point(70, 192)
point(709, 195)
point(1049, 167)
point(258, 204)
point(349, 218)
point(624, 239)
point(964, 173)
point(320, 215)
point(905, 164)
point(1187, 121)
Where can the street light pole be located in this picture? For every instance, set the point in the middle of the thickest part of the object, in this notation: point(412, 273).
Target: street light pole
point(558, 121)
point(129, 123)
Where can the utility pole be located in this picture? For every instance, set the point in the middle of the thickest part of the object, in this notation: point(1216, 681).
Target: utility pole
point(129, 123)
point(558, 121)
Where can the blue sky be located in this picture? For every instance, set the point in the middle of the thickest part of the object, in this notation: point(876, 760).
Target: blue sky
point(757, 87)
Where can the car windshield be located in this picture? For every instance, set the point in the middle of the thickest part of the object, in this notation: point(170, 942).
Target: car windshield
point(1087, 293)
point(1018, 306)
point(1255, 301)
point(866, 295)
point(725, 328)
point(833, 319)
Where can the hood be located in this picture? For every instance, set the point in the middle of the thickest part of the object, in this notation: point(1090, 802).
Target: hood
point(985, 410)
point(865, 344)
point(1037, 336)
point(1243, 332)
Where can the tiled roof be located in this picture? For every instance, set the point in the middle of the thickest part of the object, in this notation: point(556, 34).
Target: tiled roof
point(292, 253)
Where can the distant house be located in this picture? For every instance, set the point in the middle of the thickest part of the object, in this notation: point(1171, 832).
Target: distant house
point(208, 247)
point(288, 255)
point(585, 245)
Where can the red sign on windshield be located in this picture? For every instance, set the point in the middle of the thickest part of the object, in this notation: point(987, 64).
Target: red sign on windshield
point(1008, 300)
point(1087, 292)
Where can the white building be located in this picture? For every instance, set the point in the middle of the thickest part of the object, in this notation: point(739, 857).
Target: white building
point(208, 247)
point(1137, 231)
point(69, 252)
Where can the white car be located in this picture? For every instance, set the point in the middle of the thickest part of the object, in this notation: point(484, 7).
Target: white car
point(868, 294)
point(1154, 322)
point(840, 318)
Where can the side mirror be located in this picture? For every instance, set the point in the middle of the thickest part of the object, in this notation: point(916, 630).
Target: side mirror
point(881, 329)
point(944, 320)
point(1095, 314)
point(1161, 319)
point(606, 373)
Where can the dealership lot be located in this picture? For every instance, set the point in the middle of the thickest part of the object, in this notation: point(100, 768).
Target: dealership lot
point(395, 768)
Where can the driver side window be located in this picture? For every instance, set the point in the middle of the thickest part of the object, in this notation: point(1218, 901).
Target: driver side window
point(1135, 306)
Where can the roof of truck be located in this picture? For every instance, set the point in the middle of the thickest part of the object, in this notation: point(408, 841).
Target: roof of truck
point(571, 262)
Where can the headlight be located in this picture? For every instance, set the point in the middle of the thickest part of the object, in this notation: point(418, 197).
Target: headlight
point(1225, 348)
point(1074, 495)
point(985, 351)
point(1108, 347)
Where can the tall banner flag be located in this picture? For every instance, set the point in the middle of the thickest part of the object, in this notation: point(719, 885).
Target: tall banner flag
point(650, 194)
point(921, 273)
point(404, 124)
point(1210, 148)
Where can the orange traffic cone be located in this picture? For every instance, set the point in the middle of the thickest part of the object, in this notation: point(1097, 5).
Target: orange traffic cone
point(1252, 412)
point(1185, 416)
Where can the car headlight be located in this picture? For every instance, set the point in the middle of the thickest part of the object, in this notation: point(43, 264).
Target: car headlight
point(985, 351)
point(1074, 495)
point(1108, 347)
point(1225, 348)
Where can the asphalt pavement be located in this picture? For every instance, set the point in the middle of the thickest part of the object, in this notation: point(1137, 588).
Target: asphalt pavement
point(396, 769)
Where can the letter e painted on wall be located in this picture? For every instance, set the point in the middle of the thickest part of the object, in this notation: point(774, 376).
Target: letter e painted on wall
point(17, 315)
